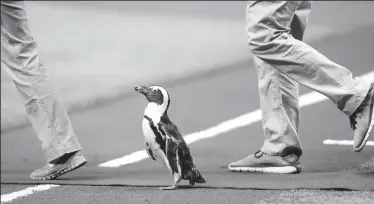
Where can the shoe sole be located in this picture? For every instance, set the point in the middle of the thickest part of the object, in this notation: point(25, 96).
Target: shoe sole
point(368, 133)
point(75, 165)
point(268, 170)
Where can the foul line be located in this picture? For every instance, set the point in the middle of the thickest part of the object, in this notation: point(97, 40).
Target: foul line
point(25, 192)
point(240, 121)
point(344, 142)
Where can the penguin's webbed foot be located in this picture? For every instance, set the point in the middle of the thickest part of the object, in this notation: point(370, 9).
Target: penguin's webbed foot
point(177, 179)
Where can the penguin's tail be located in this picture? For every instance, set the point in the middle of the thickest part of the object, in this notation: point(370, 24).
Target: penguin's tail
point(196, 177)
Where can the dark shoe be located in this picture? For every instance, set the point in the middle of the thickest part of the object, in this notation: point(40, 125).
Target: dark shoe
point(261, 162)
point(362, 121)
point(367, 167)
point(59, 168)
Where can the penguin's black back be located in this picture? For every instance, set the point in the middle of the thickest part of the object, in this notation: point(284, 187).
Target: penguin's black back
point(189, 171)
point(171, 129)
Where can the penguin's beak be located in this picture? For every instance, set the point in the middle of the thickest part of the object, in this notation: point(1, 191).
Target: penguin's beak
point(141, 89)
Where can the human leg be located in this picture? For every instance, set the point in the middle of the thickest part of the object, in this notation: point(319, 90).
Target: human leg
point(44, 108)
point(275, 45)
point(279, 101)
point(268, 28)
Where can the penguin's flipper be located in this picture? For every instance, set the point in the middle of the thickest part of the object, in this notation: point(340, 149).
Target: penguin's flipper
point(169, 130)
point(149, 152)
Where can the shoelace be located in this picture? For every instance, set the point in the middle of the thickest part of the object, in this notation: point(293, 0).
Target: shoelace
point(290, 154)
point(258, 156)
point(353, 121)
point(354, 116)
point(291, 158)
point(360, 109)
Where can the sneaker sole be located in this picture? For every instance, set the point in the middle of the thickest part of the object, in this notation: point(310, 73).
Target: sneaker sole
point(358, 149)
point(75, 165)
point(268, 170)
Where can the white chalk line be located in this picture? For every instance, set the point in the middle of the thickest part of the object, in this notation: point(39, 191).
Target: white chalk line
point(25, 192)
point(240, 121)
point(344, 142)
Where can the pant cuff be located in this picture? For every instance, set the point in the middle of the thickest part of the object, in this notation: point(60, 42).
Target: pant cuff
point(272, 149)
point(364, 87)
point(61, 150)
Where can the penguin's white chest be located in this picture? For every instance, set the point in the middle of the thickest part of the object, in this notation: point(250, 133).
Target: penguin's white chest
point(150, 137)
point(148, 133)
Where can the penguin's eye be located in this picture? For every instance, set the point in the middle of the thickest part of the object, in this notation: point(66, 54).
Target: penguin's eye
point(154, 90)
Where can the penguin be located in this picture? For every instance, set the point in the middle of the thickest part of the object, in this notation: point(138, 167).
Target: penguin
point(163, 141)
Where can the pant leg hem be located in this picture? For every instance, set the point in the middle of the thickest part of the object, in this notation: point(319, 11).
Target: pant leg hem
point(360, 98)
point(270, 152)
point(61, 150)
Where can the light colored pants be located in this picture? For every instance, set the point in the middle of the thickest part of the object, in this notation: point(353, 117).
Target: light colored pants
point(20, 55)
point(275, 30)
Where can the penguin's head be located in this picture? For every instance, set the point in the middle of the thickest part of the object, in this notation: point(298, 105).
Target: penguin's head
point(156, 95)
